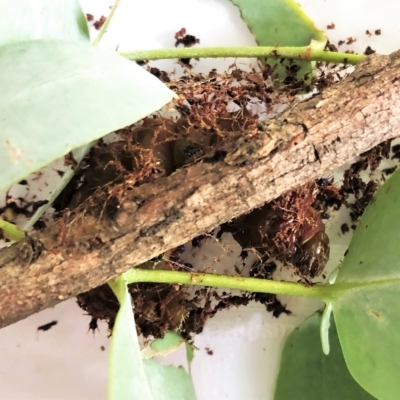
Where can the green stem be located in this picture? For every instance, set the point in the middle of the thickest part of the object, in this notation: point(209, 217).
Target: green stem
point(306, 53)
point(106, 23)
point(136, 275)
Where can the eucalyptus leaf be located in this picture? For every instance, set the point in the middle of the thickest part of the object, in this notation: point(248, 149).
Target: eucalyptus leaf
point(42, 19)
point(171, 341)
point(306, 373)
point(280, 23)
point(131, 377)
point(11, 231)
point(189, 353)
point(168, 382)
point(367, 288)
point(162, 347)
point(58, 95)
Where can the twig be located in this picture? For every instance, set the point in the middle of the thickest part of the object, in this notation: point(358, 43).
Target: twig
point(103, 29)
point(306, 53)
point(137, 275)
point(89, 248)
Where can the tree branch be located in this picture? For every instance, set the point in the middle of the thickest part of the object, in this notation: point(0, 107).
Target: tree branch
point(86, 249)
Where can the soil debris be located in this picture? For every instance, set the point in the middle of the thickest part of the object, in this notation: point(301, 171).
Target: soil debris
point(288, 229)
point(47, 326)
point(368, 51)
point(181, 37)
point(100, 22)
point(356, 192)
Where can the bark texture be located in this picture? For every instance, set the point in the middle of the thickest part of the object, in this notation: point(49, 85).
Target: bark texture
point(87, 248)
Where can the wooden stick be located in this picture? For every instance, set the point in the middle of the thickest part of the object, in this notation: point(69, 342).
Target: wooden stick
point(86, 249)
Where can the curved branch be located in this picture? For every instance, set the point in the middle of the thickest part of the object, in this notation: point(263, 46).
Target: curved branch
point(85, 249)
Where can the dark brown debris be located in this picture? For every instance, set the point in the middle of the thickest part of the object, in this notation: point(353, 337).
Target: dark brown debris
point(47, 326)
point(181, 37)
point(288, 229)
point(100, 22)
point(209, 351)
point(350, 40)
point(368, 51)
point(344, 228)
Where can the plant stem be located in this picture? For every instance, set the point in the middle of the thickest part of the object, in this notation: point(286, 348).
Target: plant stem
point(136, 275)
point(306, 53)
point(106, 23)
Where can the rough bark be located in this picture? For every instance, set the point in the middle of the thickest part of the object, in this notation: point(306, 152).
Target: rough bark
point(86, 249)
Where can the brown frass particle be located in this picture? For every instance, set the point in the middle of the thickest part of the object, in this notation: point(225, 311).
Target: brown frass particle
point(47, 326)
point(344, 228)
point(98, 24)
point(185, 39)
point(368, 51)
point(389, 171)
point(350, 40)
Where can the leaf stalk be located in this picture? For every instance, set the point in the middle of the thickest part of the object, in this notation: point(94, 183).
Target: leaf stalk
point(137, 275)
point(305, 53)
point(103, 29)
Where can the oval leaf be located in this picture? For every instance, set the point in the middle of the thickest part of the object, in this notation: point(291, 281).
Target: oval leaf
point(10, 231)
point(42, 19)
point(131, 377)
point(306, 373)
point(366, 307)
point(280, 23)
point(57, 96)
point(171, 341)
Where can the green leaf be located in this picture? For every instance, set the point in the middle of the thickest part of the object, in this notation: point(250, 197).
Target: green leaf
point(162, 347)
point(56, 96)
point(11, 231)
point(366, 307)
point(306, 373)
point(280, 23)
point(131, 377)
point(168, 382)
point(42, 19)
point(189, 352)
